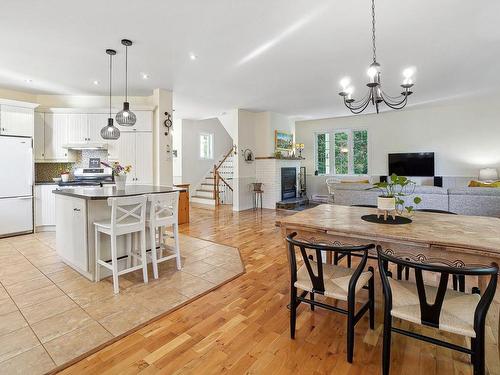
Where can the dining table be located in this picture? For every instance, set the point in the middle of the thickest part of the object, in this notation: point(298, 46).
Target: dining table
point(453, 240)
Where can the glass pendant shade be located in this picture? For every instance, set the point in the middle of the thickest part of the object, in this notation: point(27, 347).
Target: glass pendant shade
point(126, 117)
point(110, 131)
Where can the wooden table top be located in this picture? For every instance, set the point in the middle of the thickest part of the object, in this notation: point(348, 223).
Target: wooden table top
point(468, 232)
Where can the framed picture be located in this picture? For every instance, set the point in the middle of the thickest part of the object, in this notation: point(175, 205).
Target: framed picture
point(283, 141)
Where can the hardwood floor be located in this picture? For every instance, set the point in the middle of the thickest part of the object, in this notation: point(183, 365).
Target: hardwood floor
point(243, 327)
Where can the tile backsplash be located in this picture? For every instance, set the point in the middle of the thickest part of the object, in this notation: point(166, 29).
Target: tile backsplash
point(46, 171)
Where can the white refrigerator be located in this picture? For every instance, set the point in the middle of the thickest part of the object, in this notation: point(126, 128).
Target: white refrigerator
point(16, 185)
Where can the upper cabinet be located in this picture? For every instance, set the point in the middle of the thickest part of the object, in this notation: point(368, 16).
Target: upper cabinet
point(16, 120)
point(144, 122)
point(56, 136)
point(39, 137)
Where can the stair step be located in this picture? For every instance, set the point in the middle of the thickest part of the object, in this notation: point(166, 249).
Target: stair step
point(209, 202)
point(205, 193)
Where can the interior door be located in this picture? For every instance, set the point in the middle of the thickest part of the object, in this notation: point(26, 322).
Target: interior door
point(56, 135)
point(77, 128)
point(144, 158)
point(16, 164)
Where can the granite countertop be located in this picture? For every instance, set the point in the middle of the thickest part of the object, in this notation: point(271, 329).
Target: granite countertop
point(93, 193)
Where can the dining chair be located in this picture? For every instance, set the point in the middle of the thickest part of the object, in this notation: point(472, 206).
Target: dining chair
point(437, 307)
point(163, 213)
point(333, 281)
point(127, 218)
point(457, 280)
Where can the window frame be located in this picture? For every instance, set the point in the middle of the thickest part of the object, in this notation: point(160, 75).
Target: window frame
point(350, 138)
point(211, 145)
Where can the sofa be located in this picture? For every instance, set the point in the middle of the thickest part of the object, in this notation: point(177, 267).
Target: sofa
point(478, 201)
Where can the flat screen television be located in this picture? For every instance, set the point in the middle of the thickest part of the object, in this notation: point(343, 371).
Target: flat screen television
point(419, 164)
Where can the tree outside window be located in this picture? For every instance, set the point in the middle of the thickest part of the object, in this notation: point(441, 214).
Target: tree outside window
point(323, 153)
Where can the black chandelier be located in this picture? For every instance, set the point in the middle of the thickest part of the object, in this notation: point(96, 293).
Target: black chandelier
point(375, 94)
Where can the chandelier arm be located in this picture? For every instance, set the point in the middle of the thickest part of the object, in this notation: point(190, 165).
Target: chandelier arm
point(359, 109)
point(358, 105)
point(361, 102)
point(392, 97)
point(399, 105)
point(387, 100)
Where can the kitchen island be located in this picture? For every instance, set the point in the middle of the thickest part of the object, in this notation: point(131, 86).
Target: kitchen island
point(77, 209)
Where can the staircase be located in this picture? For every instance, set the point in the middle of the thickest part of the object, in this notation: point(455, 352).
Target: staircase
point(216, 186)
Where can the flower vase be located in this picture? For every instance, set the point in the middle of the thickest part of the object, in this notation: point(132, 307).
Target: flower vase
point(120, 181)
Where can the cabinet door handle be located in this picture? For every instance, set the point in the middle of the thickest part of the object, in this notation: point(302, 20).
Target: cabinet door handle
point(76, 209)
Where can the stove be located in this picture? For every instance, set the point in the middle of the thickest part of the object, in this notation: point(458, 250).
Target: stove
point(90, 177)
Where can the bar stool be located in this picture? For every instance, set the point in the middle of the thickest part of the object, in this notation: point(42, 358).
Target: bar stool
point(128, 216)
point(257, 194)
point(163, 212)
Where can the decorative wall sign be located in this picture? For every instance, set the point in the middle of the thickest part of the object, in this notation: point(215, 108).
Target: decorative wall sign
point(168, 122)
point(248, 155)
point(283, 141)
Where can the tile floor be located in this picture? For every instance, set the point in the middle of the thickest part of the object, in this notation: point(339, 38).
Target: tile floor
point(49, 314)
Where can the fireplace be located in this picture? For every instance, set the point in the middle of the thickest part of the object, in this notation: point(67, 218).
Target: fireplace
point(288, 183)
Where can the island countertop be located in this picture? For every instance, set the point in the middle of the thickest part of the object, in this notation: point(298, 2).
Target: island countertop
point(105, 192)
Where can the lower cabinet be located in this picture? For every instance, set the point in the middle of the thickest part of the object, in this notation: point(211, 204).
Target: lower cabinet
point(71, 234)
point(45, 207)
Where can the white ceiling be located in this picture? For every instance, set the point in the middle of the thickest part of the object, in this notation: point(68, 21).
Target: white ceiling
point(280, 55)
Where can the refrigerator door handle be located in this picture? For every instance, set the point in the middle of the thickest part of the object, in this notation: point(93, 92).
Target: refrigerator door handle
point(21, 198)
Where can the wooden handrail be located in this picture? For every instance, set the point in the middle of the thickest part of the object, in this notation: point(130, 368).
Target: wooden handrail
point(224, 181)
point(224, 158)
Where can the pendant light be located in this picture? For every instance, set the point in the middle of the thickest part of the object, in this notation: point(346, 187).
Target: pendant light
point(126, 117)
point(110, 131)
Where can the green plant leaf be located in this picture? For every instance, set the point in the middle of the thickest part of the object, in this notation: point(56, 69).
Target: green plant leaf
point(417, 200)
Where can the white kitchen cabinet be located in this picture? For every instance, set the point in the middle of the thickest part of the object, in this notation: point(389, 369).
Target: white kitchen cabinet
point(45, 207)
point(77, 127)
point(39, 137)
point(135, 149)
point(56, 136)
point(144, 158)
point(71, 214)
point(144, 122)
point(16, 120)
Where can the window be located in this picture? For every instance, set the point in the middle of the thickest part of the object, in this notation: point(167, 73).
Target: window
point(206, 146)
point(323, 153)
point(346, 154)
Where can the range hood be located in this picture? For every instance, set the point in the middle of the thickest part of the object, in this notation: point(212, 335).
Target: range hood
point(86, 146)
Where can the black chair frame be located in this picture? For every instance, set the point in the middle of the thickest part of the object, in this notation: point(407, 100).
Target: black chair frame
point(430, 313)
point(319, 287)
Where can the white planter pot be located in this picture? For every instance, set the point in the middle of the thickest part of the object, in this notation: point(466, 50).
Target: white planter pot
point(386, 204)
point(120, 182)
point(65, 177)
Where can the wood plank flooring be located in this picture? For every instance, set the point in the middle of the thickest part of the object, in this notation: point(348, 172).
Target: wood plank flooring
point(242, 327)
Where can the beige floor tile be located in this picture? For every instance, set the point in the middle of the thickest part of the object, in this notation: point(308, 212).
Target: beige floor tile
point(3, 293)
point(92, 293)
point(47, 269)
point(47, 309)
point(108, 306)
point(8, 269)
point(17, 342)
point(189, 285)
point(75, 283)
point(124, 321)
point(218, 275)
point(64, 275)
point(45, 259)
point(11, 322)
point(7, 306)
point(7, 260)
point(28, 285)
point(35, 361)
point(161, 300)
point(22, 275)
point(197, 268)
point(37, 296)
point(236, 267)
point(60, 324)
point(71, 345)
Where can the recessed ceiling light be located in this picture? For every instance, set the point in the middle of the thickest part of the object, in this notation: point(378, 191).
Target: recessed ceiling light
point(192, 56)
point(145, 76)
point(27, 80)
point(96, 82)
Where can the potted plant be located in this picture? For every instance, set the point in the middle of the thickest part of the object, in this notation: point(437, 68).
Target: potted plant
point(65, 176)
point(392, 193)
point(120, 173)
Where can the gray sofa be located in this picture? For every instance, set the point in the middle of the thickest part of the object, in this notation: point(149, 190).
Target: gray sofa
point(464, 201)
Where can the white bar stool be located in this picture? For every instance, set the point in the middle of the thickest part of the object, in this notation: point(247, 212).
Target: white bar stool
point(128, 216)
point(163, 212)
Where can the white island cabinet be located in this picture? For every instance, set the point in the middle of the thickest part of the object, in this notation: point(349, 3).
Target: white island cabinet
point(76, 211)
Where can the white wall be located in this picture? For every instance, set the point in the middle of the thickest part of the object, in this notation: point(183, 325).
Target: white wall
point(266, 124)
point(463, 133)
point(177, 146)
point(162, 144)
point(193, 167)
